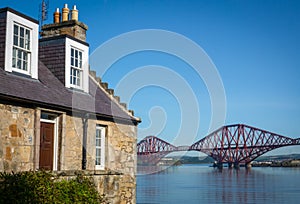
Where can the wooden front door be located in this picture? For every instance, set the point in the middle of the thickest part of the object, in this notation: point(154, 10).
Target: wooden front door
point(46, 146)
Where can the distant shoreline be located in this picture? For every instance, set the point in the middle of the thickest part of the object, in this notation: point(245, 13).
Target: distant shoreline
point(292, 160)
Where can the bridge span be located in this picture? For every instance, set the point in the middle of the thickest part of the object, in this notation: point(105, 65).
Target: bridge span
point(232, 144)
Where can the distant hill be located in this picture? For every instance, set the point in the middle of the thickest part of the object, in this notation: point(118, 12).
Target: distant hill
point(207, 159)
point(277, 157)
point(193, 160)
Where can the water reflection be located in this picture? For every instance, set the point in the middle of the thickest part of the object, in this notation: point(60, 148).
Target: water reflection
point(201, 184)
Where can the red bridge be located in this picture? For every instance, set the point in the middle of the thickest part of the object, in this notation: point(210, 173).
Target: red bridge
point(232, 144)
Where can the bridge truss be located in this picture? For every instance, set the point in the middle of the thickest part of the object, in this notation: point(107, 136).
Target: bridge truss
point(232, 144)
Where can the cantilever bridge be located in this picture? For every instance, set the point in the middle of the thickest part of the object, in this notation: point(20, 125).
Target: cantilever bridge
point(232, 144)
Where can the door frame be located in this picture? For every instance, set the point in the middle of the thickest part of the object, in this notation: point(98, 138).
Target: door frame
point(55, 140)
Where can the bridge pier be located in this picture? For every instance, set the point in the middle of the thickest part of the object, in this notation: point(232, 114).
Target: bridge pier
point(230, 165)
point(248, 165)
point(219, 165)
point(236, 165)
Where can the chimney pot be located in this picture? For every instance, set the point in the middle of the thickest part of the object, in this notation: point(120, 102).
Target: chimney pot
point(65, 13)
point(56, 16)
point(74, 13)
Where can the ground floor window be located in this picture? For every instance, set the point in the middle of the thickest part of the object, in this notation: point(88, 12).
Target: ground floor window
point(100, 147)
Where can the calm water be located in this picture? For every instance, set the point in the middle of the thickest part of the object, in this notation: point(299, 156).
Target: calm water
point(201, 184)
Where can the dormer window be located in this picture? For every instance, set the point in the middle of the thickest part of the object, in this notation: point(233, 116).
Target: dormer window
point(76, 64)
point(64, 51)
point(21, 49)
point(76, 68)
point(21, 44)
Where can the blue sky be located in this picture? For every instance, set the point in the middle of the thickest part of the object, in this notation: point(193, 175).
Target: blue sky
point(253, 44)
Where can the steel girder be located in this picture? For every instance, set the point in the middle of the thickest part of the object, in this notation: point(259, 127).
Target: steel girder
point(229, 144)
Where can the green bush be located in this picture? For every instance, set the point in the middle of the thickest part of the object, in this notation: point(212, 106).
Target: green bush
point(43, 187)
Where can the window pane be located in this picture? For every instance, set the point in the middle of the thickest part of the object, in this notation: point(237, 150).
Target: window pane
point(25, 66)
point(76, 53)
point(22, 43)
point(97, 161)
point(78, 80)
point(14, 62)
point(80, 56)
point(16, 40)
point(78, 77)
point(72, 52)
point(24, 56)
point(21, 32)
point(14, 52)
point(27, 36)
point(76, 62)
point(74, 73)
point(80, 64)
point(18, 63)
point(19, 54)
point(27, 47)
point(16, 30)
point(22, 65)
point(27, 40)
point(98, 152)
point(98, 142)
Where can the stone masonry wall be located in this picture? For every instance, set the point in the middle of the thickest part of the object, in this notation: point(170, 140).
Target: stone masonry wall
point(120, 156)
point(72, 28)
point(19, 135)
point(16, 138)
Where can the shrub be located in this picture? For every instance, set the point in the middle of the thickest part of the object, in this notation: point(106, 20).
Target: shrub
point(44, 187)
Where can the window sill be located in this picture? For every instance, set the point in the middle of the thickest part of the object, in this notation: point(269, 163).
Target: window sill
point(21, 73)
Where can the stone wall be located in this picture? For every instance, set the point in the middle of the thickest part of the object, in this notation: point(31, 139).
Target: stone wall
point(16, 138)
point(116, 188)
point(120, 157)
point(19, 149)
point(72, 28)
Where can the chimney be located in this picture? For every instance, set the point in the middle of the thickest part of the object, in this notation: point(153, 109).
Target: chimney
point(56, 16)
point(74, 13)
point(67, 25)
point(65, 13)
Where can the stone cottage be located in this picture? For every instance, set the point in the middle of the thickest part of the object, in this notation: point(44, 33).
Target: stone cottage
point(55, 114)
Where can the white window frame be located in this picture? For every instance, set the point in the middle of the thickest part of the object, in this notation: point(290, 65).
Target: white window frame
point(11, 20)
point(102, 131)
point(77, 67)
point(70, 43)
point(22, 49)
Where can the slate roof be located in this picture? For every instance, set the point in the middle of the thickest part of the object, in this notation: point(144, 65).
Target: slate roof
point(50, 92)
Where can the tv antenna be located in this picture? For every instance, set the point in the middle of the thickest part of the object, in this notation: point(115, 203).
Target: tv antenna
point(43, 12)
